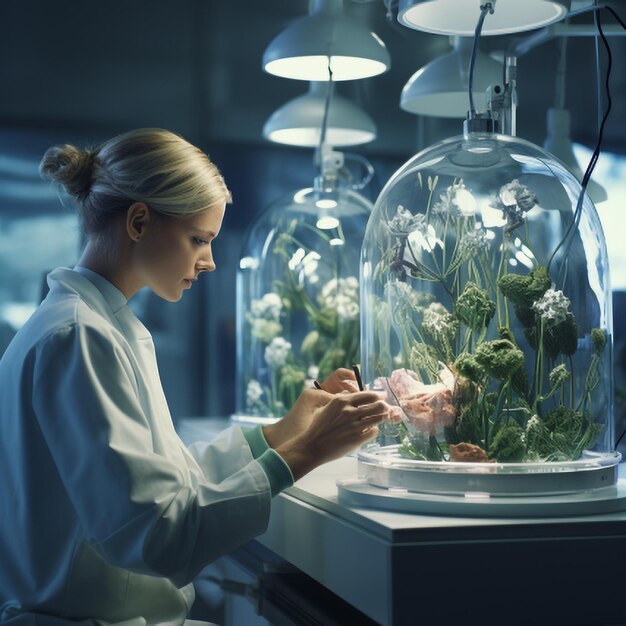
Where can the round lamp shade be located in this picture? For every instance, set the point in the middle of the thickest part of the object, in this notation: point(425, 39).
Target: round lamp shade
point(459, 17)
point(299, 121)
point(305, 49)
point(440, 88)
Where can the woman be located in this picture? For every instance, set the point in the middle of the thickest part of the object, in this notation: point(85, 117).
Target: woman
point(104, 514)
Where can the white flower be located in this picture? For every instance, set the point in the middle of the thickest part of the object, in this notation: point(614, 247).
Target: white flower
point(313, 371)
point(341, 295)
point(399, 293)
point(552, 307)
point(473, 242)
point(513, 201)
point(277, 352)
point(424, 237)
point(268, 307)
point(438, 321)
point(347, 309)
point(514, 194)
point(404, 222)
point(456, 200)
point(265, 330)
point(254, 392)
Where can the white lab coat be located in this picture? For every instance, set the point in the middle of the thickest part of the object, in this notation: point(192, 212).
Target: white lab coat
point(104, 513)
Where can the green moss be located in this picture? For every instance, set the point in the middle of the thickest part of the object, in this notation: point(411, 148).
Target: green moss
point(500, 358)
point(525, 290)
point(562, 338)
point(508, 445)
point(519, 379)
point(474, 308)
point(466, 365)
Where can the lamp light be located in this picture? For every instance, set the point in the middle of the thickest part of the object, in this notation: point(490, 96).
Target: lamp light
point(326, 37)
point(559, 143)
point(440, 88)
point(459, 17)
point(299, 121)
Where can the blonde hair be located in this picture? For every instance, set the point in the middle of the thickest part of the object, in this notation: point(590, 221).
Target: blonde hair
point(149, 165)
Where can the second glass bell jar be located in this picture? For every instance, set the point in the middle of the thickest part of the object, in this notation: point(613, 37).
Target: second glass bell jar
point(486, 323)
point(298, 297)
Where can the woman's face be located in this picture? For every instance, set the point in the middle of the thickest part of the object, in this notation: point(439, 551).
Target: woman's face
point(174, 251)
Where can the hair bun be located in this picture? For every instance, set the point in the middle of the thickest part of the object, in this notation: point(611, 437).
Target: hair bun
point(69, 166)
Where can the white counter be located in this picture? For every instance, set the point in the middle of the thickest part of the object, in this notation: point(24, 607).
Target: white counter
point(419, 569)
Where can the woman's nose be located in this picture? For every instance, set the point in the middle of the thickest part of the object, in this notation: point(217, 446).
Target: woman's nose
point(206, 265)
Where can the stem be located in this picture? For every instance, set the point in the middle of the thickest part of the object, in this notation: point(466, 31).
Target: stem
point(571, 382)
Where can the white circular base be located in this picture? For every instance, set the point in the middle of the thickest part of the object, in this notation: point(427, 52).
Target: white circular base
point(386, 469)
point(358, 492)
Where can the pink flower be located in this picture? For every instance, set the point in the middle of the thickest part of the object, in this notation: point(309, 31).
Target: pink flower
point(428, 408)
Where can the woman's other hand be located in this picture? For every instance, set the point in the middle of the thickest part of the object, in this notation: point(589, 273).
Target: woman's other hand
point(329, 426)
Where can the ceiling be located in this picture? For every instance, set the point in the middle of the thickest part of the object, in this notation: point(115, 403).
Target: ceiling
point(194, 66)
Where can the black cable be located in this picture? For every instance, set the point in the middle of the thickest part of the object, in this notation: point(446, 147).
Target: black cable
point(596, 153)
point(326, 106)
point(485, 8)
point(597, 7)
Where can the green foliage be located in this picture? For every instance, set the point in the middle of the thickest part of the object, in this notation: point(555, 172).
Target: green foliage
point(456, 331)
point(519, 380)
point(310, 343)
point(326, 321)
point(474, 307)
point(332, 359)
point(500, 358)
point(562, 338)
point(473, 419)
point(421, 447)
point(558, 376)
point(561, 435)
point(508, 445)
point(466, 365)
point(598, 339)
point(422, 358)
point(525, 290)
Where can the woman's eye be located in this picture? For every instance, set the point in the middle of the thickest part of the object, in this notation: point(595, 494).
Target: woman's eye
point(199, 242)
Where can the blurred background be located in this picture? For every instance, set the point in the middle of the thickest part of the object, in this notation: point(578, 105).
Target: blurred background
point(80, 71)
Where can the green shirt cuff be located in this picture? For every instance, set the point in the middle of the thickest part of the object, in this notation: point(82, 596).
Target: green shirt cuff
point(277, 471)
point(256, 440)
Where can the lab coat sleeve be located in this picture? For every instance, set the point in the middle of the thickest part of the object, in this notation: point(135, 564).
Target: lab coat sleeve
point(138, 508)
point(216, 461)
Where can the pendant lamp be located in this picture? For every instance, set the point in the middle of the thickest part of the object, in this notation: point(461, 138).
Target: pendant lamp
point(440, 88)
point(458, 17)
point(326, 37)
point(299, 121)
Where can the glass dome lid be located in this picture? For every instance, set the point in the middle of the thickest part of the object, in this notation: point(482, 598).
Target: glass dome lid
point(298, 297)
point(486, 324)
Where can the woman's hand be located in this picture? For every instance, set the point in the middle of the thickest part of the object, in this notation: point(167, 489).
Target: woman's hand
point(297, 420)
point(341, 379)
point(333, 426)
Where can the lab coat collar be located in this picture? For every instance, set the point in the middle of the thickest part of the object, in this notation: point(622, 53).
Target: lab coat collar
point(101, 296)
point(115, 298)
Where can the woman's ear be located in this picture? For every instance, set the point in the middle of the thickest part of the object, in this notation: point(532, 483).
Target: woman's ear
point(137, 217)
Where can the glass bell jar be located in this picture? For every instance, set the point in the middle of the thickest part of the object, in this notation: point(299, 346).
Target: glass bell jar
point(486, 324)
point(298, 297)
